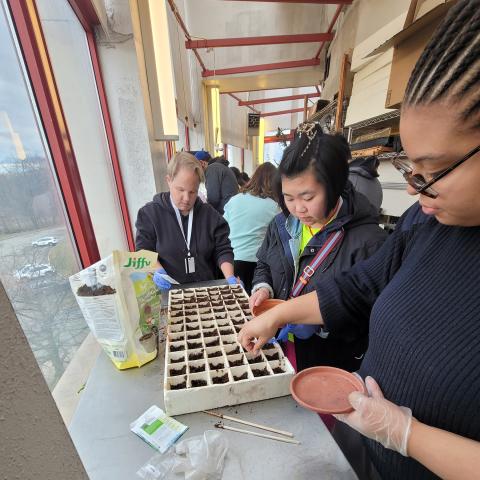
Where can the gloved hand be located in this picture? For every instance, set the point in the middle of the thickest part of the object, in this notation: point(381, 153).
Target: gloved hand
point(378, 419)
point(300, 331)
point(233, 280)
point(283, 335)
point(159, 281)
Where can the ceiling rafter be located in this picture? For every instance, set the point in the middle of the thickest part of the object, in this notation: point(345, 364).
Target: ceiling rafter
point(262, 40)
point(245, 103)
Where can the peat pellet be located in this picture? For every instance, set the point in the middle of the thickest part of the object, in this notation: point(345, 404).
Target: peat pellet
point(197, 369)
point(272, 356)
point(278, 370)
point(177, 360)
point(193, 336)
point(235, 363)
point(260, 373)
point(181, 371)
point(226, 331)
point(222, 379)
point(178, 386)
point(214, 354)
point(195, 356)
point(216, 366)
point(210, 334)
point(194, 345)
point(212, 343)
point(199, 383)
point(243, 376)
point(177, 348)
point(234, 350)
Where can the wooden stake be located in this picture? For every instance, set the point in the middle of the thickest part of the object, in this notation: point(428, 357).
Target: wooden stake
point(251, 424)
point(263, 435)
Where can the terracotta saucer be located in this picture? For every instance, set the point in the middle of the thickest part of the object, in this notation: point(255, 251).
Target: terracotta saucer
point(266, 305)
point(325, 389)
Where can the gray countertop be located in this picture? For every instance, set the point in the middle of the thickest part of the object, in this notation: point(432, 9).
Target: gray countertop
point(109, 450)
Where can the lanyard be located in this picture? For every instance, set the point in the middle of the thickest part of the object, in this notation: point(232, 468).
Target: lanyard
point(190, 223)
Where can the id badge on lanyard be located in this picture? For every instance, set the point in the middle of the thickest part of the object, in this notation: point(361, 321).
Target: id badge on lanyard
point(189, 260)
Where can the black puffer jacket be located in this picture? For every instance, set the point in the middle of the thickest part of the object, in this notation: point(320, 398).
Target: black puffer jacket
point(158, 231)
point(276, 268)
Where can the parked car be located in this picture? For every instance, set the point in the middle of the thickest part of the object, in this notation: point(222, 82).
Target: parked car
point(45, 241)
point(31, 271)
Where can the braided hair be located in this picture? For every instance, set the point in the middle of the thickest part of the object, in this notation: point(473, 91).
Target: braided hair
point(449, 67)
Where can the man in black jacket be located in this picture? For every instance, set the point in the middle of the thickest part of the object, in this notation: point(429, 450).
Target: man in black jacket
point(220, 182)
point(190, 237)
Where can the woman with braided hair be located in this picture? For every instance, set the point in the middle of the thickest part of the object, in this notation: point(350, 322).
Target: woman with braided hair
point(417, 296)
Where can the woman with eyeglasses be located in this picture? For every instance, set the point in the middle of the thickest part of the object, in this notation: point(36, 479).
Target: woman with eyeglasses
point(418, 295)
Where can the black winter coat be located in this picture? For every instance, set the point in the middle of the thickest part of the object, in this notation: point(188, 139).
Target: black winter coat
point(221, 185)
point(275, 267)
point(158, 231)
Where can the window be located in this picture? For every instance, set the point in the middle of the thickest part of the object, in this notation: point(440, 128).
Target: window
point(37, 249)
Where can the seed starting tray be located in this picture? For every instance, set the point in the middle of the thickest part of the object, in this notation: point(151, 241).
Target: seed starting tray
point(205, 366)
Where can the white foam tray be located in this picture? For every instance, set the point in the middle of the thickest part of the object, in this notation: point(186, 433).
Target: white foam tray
point(199, 317)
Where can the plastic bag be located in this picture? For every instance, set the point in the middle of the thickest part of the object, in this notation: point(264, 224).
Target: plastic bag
point(199, 458)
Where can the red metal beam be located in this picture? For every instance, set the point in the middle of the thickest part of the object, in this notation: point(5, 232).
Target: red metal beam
point(35, 54)
point(330, 28)
point(281, 112)
point(265, 40)
point(239, 100)
point(275, 139)
point(258, 68)
point(319, 2)
point(266, 88)
point(86, 13)
point(180, 21)
point(245, 103)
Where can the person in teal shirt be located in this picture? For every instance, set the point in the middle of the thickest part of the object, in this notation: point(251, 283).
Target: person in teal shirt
point(248, 215)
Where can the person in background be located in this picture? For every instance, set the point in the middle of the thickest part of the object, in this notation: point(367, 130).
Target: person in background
point(245, 176)
point(418, 295)
point(220, 182)
point(363, 173)
point(248, 214)
point(318, 203)
point(203, 157)
point(190, 237)
point(238, 175)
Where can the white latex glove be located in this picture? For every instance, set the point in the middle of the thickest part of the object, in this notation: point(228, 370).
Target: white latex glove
point(258, 297)
point(378, 419)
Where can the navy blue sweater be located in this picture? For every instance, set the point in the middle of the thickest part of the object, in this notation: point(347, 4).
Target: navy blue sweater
point(419, 297)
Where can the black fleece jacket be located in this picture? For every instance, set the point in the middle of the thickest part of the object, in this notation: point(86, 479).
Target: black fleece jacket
point(158, 231)
point(362, 238)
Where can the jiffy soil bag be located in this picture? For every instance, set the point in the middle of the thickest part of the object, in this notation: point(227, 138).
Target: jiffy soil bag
point(121, 305)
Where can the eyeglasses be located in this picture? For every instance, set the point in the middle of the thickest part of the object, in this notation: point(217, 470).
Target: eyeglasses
point(418, 182)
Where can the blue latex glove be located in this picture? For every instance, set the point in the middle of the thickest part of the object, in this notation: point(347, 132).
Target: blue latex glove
point(283, 335)
point(300, 331)
point(233, 280)
point(159, 281)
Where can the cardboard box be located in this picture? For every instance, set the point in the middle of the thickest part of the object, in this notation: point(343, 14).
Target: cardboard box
point(408, 45)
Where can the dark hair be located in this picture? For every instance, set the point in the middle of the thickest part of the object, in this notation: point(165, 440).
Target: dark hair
point(326, 155)
point(449, 67)
point(261, 183)
point(245, 176)
point(238, 175)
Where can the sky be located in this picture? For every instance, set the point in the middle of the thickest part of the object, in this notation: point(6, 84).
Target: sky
point(14, 101)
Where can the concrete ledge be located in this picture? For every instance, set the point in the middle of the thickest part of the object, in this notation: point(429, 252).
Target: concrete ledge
point(69, 388)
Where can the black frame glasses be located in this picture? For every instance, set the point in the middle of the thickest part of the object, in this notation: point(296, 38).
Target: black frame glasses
point(418, 182)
